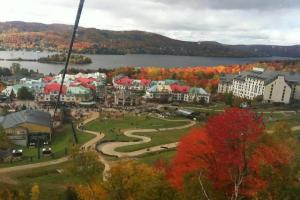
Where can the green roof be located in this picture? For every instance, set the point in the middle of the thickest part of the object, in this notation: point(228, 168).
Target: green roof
point(77, 90)
point(170, 81)
point(195, 90)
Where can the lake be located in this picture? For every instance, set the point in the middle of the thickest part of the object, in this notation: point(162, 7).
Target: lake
point(114, 61)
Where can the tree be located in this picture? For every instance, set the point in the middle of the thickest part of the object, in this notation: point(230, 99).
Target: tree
point(25, 94)
point(35, 192)
point(227, 154)
point(228, 99)
point(130, 180)
point(126, 182)
point(281, 129)
point(11, 192)
point(15, 68)
point(5, 71)
point(280, 179)
point(85, 164)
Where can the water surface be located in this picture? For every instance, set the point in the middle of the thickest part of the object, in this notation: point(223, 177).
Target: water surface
point(114, 61)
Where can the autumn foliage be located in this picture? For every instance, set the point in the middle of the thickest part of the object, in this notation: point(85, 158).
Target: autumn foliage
point(227, 152)
point(129, 180)
point(199, 76)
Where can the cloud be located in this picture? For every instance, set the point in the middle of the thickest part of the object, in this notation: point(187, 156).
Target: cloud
point(233, 4)
point(226, 21)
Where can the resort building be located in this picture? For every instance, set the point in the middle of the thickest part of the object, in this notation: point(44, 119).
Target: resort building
point(36, 85)
point(11, 80)
point(162, 90)
point(125, 98)
point(124, 82)
point(177, 93)
point(272, 86)
point(77, 89)
point(196, 95)
point(27, 126)
point(159, 93)
point(225, 84)
point(12, 90)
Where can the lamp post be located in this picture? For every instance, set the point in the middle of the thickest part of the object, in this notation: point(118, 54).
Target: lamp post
point(40, 138)
point(38, 148)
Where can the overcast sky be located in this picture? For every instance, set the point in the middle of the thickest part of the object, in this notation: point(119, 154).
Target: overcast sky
point(226, 21)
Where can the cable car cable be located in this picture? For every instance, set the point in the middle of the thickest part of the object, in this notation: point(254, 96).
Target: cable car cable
point(80, 7)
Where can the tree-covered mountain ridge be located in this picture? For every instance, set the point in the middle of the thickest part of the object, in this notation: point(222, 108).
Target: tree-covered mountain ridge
point(55, 37)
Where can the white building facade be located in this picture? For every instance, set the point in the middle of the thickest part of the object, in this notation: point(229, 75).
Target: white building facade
point(271, 86)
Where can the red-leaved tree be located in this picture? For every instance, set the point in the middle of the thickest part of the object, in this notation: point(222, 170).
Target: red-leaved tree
point(228, 153)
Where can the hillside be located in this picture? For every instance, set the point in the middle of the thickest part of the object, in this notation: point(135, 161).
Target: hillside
point(54, 37)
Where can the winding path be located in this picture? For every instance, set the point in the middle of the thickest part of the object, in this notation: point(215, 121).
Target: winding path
point(110, 147)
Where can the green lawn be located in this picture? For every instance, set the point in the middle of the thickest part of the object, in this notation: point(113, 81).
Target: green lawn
point(151, 158)
point(51, 183)
point(62, 143)
point(217, 106)
point(274, 107)
point(157, 138)
point(112, 127)
point(291, 119)
point(276, 116)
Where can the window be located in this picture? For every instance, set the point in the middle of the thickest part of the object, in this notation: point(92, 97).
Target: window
point(271, 91)
point(283, 93)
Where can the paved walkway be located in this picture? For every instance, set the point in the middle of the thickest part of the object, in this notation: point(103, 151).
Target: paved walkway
point(295, 128)
point(92, 143)
point(110, 147)
point(33, 166)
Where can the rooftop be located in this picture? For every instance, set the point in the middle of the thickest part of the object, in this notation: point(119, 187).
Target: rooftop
point(267, 76)
point(26, 116)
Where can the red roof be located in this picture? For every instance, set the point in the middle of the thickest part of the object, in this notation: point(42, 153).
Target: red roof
point(48, 78)
point(145, 81)
point(124, 81)
point(85, 80)
point(92, 87)
point(179, 88)
point(54, 87)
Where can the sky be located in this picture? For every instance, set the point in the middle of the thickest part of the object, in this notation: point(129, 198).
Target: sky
point(226, 21)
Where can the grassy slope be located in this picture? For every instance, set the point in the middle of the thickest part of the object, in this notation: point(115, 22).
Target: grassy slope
point(112, 127)
point(291, 119)
point(157, 138)
point(51, 183)
point(151, 158)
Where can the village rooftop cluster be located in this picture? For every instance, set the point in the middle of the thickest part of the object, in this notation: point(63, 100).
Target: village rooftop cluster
point(93, 90)
point(86, 89)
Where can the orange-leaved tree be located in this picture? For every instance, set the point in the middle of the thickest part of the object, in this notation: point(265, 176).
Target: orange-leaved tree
point(226, 156)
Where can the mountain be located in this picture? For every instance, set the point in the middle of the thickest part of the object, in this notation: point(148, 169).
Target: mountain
point(55, 37)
